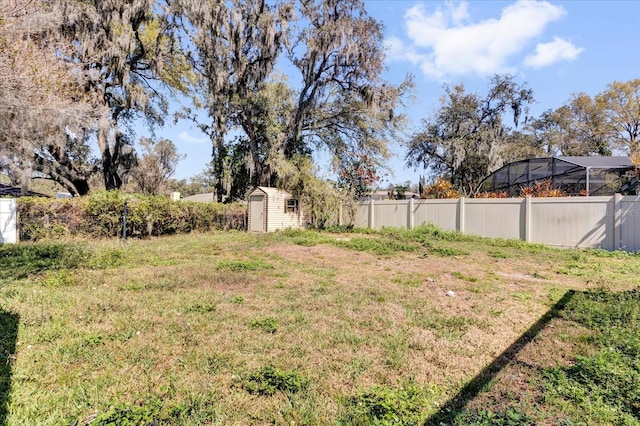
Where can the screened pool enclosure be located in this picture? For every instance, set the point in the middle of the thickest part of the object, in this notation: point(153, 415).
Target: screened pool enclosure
point(573, 175)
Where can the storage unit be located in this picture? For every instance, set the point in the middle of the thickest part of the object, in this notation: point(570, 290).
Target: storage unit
point(272, 209)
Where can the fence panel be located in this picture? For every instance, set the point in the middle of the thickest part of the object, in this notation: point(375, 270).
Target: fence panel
point(495, 218)
point(629, 223)
point(8, 222)
point(574, 221)
point(610, 223)
point(442, 213)
point(391, 213)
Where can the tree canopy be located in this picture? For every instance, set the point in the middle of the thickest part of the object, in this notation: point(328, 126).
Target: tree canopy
point(275, 80)
point(471, 135)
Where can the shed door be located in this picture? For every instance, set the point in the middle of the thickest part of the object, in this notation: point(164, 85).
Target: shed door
point(257, 212)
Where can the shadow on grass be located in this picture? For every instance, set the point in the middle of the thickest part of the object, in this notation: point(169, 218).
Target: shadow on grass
point(8, 336)
point(448, 413)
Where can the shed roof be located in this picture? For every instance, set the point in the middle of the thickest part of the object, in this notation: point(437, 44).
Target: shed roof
point(14, 191)
point(599, 162)
point(269, 191)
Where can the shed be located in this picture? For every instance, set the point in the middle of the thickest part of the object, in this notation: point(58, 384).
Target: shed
point(272, 209)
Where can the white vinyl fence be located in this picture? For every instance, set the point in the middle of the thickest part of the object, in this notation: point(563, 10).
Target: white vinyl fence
point(610, 222)
point(8, 222)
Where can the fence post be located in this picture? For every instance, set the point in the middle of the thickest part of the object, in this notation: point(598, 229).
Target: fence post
point(617, 219)
point(371, 218)
point(410, 214)
point(461, 215)
point(527, 218)
point(340, 215)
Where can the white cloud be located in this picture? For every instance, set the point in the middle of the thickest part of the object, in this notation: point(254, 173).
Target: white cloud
point(447, 41)
point(552, 52)
point(188, 138)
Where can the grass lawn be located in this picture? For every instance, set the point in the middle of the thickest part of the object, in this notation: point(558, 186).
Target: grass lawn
point(302, 327)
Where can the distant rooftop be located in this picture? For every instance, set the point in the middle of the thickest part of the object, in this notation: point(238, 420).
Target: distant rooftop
point(15, 191)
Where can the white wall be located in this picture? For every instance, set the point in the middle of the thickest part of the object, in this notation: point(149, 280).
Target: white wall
point(609, 222)
point(277, 218)
point(8, 222)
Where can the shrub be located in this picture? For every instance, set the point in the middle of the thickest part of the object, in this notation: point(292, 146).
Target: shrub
point(100, 214)
point(440, 189)
point(541, 189)
point(383, 405)
point(269, 379)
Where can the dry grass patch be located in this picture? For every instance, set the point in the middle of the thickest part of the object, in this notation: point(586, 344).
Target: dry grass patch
point(290, 328)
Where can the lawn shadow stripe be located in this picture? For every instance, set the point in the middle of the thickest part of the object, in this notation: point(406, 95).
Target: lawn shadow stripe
point(8, 335)
point(452, 408)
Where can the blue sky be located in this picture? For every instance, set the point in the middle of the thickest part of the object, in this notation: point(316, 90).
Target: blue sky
point(557, 48)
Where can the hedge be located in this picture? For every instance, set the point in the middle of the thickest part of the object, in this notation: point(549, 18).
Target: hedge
point(100, 214)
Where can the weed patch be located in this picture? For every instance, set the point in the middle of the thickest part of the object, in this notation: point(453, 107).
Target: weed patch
point(242, 265)
point(18, 261)
point(463, 277)
point(508, 417)
point(201, 308)
point(268, 325)
point(269, 380)
point(383, 405)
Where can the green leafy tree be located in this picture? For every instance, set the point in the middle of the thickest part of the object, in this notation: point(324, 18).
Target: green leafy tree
point(156, 164)
point(465, 139)
point(341, 102)
point(578, 128)
point(124, 52)
point(621, 103)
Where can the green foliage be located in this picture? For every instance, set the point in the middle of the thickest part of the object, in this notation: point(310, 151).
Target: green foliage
point(100, 215)
point(268, 325)
point(21, 260)
point(269, 379)
point(447, 252)
point(604, 386)
point(242, 265)
point(306, 238)
point(201, 308)
point(497, 254)
point(151, 412)
point(378, 246)
point(382, 405)
point(463, 277)
point(508, 417)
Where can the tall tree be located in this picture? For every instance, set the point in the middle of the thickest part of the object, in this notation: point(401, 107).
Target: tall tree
point(156, 164)
point(45, 116)
point(236, 45)
point(125, 52)
point(576, 128)
point(341, 101)
point(621, 102)
point(465, 140)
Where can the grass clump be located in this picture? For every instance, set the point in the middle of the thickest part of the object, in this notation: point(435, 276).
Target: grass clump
point(201, 308)
point(155, 412)
point(384, 405)
point(268, 325)
point(383, 246)
point(269, 380)
point(463, 277)
point(508, 417)
point(18, 261)
point(242, 265)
